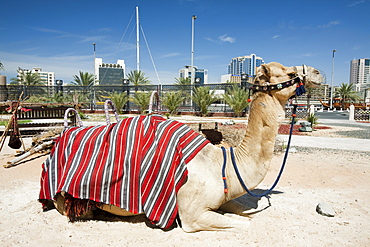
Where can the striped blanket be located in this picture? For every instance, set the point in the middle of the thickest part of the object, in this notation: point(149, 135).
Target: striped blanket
point(137, 164)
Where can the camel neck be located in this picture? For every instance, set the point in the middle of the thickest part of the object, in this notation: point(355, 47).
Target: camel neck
point(254, 154)
point(266, 115)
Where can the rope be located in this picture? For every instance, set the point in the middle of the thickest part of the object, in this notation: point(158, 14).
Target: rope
point(223, 170)
point(281, 169)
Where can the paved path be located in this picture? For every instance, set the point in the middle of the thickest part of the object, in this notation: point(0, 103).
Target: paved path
point(328, 142)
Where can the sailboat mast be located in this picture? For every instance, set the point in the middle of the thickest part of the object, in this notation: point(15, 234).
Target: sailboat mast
point(137, 40)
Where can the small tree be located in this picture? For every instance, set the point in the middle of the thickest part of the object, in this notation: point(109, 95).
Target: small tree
point(137, 77)
point(172, 101)
point(119, 100)
point(27, 78)
point(182, 81)
point(346, 93)
point(83, 79)
point(313, 120)
point(237, 99)
point(203, 97)
point(141, 99)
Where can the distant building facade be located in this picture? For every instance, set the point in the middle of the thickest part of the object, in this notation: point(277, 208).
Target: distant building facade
point(109, 73)
point(244, 65)
point(48, 78)
point(201, 75)
point(360, 73)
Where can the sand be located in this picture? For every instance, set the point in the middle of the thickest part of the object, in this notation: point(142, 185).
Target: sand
point(339, 178)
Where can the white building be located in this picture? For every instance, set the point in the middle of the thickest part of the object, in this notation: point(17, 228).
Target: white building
point(360, 73)
point(47, 77)
point(201, 75)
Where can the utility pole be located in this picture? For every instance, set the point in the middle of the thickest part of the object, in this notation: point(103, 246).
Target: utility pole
point(332, 81)
point(193, 18)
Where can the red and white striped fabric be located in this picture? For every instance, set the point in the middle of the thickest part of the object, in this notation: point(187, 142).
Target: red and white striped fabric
point(137, 164)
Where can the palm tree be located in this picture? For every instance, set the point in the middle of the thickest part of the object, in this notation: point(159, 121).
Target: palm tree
point(182, 81)
point(172, 101)
point(1, 66)
point(237, 99)
point(203, 97)
point(141, 99)
point(84, 79)
point(137, 77)
point(27, 78)
point(119, 100)
point(346, 93)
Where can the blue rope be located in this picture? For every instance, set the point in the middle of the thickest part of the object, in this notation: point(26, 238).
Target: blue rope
point(223, 170)
point(282, 166)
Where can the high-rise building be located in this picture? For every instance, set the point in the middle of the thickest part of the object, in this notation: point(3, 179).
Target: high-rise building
point(48, 78)
point(201, 75)
point(245, 65)
point(360, 73)
point(109, 73)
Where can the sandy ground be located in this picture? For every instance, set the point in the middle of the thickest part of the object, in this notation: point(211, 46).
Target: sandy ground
point(339, 178)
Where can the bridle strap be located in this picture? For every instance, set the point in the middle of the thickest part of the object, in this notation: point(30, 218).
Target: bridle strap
point(267, 88)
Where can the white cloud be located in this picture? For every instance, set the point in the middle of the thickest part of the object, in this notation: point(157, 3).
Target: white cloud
point(276, 36)
point(225, 38)
point(308, 54)
point(355, 3)
point(64, 66)
point(210, 39)
point(173, 54)
point(330, 24)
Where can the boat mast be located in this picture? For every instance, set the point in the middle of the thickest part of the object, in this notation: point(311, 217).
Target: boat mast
point(137, 40)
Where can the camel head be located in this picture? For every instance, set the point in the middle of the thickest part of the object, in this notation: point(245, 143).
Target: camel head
point(274, 77)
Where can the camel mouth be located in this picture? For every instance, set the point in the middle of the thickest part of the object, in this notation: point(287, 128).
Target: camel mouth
point(315, 79)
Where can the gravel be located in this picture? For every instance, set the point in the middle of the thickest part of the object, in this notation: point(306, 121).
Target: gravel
point(361, 132)
point(352, 153)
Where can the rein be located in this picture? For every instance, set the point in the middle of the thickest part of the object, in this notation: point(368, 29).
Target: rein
point(237, 171)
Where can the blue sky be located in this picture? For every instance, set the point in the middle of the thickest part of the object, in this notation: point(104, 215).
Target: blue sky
point(58, 35)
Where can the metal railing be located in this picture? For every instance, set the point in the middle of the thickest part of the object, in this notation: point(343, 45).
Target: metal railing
point(94, 97)
point(362, 115)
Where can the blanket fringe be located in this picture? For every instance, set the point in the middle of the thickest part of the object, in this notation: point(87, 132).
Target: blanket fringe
point(77, 208)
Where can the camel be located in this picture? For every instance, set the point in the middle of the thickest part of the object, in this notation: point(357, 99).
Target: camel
point(202, 195)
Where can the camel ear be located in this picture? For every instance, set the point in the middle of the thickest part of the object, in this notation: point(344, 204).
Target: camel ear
point(265, 70)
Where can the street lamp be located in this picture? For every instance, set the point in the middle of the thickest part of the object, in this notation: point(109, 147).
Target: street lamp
point(94, 61)
point(93, 100)
point(192, 75)
point(193, 18)
point(332, 81)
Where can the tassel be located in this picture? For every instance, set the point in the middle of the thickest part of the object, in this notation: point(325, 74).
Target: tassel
point(300, 89)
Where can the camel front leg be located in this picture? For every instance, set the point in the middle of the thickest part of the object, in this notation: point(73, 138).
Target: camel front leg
point(235, 208)
point(249, 209)
point(212, 221)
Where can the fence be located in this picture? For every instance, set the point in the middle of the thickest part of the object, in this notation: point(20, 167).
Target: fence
point(94, 96)
point(362, 115)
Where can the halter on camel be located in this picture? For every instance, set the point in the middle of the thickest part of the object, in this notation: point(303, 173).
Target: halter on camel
point(266, 88)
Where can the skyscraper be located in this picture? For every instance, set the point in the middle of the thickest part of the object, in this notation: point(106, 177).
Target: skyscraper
point(360, 73)
point(245, 65)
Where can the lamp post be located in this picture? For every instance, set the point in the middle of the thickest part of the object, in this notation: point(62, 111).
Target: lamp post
point(192, 48)
point(192, 75)
point(332, 81)
point(93, 100)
